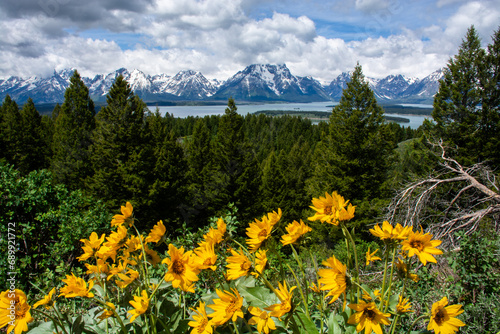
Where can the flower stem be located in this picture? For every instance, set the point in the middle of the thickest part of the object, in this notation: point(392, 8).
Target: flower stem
point(390, 280)
point(301, 291)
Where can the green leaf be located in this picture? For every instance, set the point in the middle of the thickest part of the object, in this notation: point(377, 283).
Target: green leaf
point(333, 323)
point(304, 323)
point(258, 296)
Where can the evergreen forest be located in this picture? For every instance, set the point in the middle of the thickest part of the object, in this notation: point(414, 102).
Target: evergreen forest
point(65, 174)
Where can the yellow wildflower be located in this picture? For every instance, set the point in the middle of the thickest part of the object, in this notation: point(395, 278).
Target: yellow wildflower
point(140, 305)
point(295, 231)
point(370, 257)
point(91, 245)
point(285, 306)
point(388, 232)
point(443, 319)
point(14, 311)
point(201, 323)
point(226, 307)
point(262, 319)
point(420, 244)
point(156, 233)
point(76, 287)
point(125, 218)
point(332, 209)
point(47, 300)
point(238, 265)
point(182, 269)
point(368, 317)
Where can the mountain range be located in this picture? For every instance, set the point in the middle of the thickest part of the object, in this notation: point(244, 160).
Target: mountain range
point(256, 83)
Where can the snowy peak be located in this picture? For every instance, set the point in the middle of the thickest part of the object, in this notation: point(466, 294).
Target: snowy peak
point(190, 84)
point(261, 82)
point(257, 82)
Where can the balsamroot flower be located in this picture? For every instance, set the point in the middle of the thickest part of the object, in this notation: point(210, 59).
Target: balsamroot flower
point(260, 262)
point(182, 269)
point(14, 311)
point(332, 209)
point(258, 232)
point(368, 317)
point(140, 305)
point(443, 319)
point(76, 287)
point(334, 279)
point(47, 300)
point(295, 230)
point(370, 257)
point(420, 244)
point(403, 306)
point(227, 307)
point(238, 265)
point(201, 323)
point(156, 233)
point(388, 232)
point(285, 296)
point(125, 218)
point(90, 246)
point(262, 319)
point(206, 257)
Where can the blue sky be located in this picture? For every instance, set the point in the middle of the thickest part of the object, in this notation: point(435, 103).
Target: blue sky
point(221, 37)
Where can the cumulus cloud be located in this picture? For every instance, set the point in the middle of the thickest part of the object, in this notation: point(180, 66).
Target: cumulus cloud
point(220, 37)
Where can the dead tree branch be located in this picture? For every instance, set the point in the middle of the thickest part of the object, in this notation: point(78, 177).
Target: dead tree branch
point(455, 198)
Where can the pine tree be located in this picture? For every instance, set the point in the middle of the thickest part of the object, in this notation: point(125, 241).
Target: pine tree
point(33, 148)
point(457, 111)
point(351, 158)
point(490, 104)
point(11, 131)
point(237, 169)
point(117, 142)
point(200, 173)
point(72, 135)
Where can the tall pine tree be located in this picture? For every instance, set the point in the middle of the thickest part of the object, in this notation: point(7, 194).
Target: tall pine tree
point(351, 158)
point(238, 173)
point(34, 150)
point(72, 135)
point(117, 142)
point(457, 111)
point(11, 131)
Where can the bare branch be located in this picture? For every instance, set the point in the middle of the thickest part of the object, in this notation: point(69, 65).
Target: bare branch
point(456, 198)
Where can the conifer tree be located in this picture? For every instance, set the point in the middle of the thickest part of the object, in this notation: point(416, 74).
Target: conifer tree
point(237, 169)
point(11, 131)
point(351, 159)
point(200, 173)
point(33, 148)
point(457, 103)
point(490, 104)
point(72, 135)
point(117, 142)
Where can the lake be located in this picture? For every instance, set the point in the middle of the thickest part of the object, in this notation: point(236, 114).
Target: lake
point(201, 111)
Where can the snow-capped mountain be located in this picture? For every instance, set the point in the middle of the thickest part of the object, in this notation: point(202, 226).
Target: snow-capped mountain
point(258, 82)
point(394, 88)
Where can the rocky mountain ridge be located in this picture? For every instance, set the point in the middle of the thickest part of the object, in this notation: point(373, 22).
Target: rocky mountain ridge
point(256, 83)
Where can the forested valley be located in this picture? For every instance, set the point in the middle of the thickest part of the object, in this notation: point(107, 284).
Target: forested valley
point(64, 175)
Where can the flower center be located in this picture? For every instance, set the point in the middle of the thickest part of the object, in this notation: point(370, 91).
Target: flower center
point(263, 234)
point(232, 307)
point(327, 210)
point(370, 314)
point(245, 266)
point(440, 316)
point(417, 244)
point(203, 324)
point(178, 267)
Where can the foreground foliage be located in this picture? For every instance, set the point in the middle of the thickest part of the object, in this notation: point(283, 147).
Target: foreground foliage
point(227, 284)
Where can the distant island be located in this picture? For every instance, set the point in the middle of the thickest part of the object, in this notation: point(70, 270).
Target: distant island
point(324, 115)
